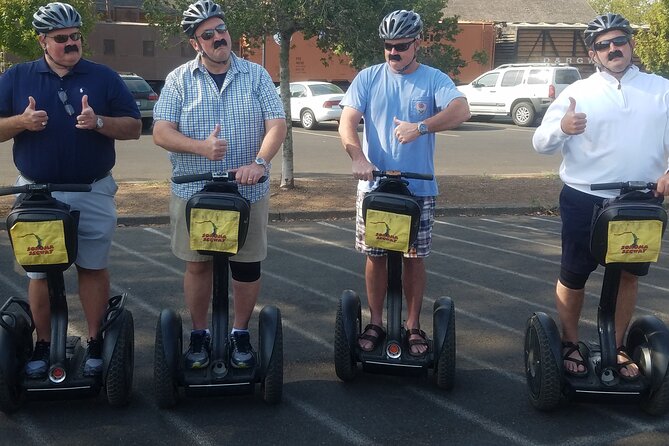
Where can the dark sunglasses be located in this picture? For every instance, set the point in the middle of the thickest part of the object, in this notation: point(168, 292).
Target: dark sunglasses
point(62, 38)
point(63, 98)
point(616, 41)
point(399, 47)
point(209, 33)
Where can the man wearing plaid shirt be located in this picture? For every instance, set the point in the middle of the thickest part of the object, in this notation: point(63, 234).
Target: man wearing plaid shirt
point(219, 113)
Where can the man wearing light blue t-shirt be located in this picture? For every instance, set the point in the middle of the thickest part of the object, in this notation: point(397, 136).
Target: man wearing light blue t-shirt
point(403, 104)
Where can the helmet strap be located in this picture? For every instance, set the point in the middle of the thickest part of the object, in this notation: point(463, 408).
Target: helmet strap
point(48, 56)
point(204, 54)
point(602, 67)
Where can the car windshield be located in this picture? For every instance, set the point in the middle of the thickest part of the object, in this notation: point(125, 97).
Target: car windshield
point(320, 89)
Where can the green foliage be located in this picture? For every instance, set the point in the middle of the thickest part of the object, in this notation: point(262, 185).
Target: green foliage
point(17, 35)
point(480, 57)
point(343, 27)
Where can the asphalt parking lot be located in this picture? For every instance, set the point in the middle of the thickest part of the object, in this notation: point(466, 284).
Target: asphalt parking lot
point(497, 269)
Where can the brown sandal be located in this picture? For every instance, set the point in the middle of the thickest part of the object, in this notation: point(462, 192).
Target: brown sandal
point(571, 348)
point(374, 334)
point(628, 361)
point(422, 341)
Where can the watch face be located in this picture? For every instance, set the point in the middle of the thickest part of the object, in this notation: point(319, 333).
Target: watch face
point(422, 128)
point(260, 161)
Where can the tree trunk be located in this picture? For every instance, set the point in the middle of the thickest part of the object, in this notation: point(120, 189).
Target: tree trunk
point(287, 180)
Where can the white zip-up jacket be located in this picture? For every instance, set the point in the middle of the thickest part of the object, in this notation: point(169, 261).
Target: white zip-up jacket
point(626, 136)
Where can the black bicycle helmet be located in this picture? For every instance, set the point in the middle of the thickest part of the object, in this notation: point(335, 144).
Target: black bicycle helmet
point(197, 13)
point(56, 15)
point(604, 23)
point(400, 24)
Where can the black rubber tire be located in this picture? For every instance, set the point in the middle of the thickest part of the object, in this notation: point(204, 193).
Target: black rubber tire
point(444, 363)
point(165, 383)
point(523, 114)
point(272, 384)
point(345, 363)
point(543, 373)
point(308, 120)
point(657, 402)
point(121, 365)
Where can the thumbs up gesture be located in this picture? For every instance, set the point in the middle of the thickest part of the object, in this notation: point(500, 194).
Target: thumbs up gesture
point(33, 119)
point(573, 123)
point(215, 147)
point(87, 119)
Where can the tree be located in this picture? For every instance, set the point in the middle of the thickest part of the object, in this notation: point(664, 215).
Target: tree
point(341, 27)
point(17, 35)
point(652, 39)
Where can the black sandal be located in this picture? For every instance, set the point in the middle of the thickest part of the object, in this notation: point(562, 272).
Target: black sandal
point(422, 341)
point(374, 334)
point(566, 357)
point(628, 361)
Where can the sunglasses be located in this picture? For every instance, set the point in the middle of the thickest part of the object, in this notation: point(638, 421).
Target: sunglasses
point(209, 33)
point(616, 41)
point(399, 47)
point(63, 98)
point(62, 38)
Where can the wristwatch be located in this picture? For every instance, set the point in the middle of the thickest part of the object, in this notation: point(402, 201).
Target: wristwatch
point(422, 128)
point(99, 123)
point(261, 162)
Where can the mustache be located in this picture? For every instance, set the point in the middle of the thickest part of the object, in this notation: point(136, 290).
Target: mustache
point(220, 43)
point(614, 54)
point(71, 48)
point(394, 57)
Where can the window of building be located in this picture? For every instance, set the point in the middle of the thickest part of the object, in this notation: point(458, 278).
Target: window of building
point(109, 47)
point(149, 48)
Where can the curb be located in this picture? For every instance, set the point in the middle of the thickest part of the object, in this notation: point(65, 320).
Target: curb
point(448, 211)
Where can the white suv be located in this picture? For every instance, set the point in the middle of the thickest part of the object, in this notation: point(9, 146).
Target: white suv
point(522, 91)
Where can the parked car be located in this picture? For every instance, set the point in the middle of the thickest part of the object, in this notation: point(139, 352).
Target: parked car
point(144, 96)
point(314, 102)
point(522, 91)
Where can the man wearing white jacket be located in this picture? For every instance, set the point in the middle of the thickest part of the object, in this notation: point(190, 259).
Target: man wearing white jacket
point(611, 127)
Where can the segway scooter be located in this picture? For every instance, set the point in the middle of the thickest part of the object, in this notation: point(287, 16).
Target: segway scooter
point(627, 229)
point(43, 235)
point(218, 219)
point(392, 219)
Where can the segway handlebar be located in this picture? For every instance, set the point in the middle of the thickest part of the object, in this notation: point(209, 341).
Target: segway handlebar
point(210, 176)
point(44, 187)
point(398, 174)
point(624, 186)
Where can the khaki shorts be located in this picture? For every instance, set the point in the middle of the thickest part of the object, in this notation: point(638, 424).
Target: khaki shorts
point(254, 250)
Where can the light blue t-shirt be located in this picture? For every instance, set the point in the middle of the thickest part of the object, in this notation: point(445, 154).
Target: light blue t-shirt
point(380, 95)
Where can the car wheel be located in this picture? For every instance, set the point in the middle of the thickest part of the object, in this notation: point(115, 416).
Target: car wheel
point(523, 114)
point(308, 120)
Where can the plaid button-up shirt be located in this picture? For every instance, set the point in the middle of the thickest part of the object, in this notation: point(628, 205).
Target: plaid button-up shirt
point(191, 99)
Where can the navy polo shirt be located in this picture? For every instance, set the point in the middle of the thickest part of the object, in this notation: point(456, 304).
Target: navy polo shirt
point(62, 153)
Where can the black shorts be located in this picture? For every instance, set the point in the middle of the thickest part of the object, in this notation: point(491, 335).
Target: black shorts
point(577, 210)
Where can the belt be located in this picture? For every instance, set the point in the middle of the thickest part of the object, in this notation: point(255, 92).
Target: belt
point(95, 180)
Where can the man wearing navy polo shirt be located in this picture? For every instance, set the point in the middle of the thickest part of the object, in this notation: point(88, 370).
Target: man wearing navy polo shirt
point(64, 113)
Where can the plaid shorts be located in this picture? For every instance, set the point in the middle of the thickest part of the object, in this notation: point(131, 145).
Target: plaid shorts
point(420, 248)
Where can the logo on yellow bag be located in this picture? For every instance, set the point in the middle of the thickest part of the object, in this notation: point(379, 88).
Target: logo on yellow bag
point(387, 230)
point(214, 230)
point(39, 242)
point(634, 241)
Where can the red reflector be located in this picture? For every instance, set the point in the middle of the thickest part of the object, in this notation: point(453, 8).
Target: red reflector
point(58, 372)
point(393, 349)
point(551, 91)
point(153, 97)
